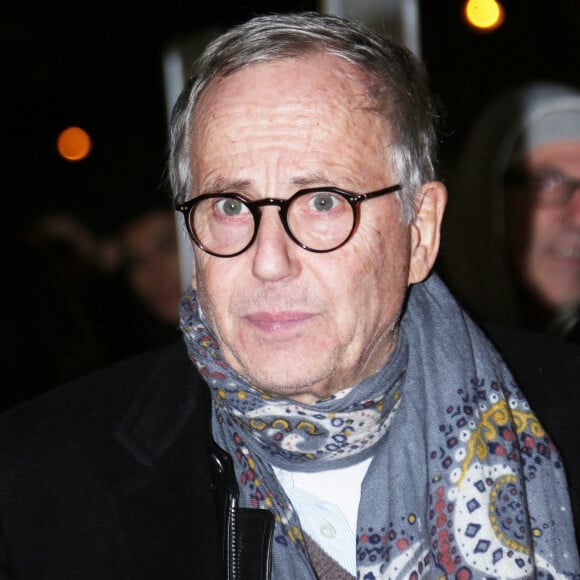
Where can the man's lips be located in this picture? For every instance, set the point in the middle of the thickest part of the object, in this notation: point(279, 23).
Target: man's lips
point(277, 321)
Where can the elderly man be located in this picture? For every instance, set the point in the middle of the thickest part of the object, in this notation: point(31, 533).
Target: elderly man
point(361, 425)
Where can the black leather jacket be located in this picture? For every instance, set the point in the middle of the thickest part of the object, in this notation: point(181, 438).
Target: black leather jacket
point(246, 533)
point(116, 477)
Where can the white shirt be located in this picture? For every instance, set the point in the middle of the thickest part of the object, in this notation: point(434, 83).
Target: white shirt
point(327, 505)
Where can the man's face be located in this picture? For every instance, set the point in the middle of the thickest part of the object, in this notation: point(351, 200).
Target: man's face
point(545, 240)
point(296, 323)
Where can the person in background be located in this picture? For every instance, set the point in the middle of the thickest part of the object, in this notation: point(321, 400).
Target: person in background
point(105, 296)
point(511, 248)
point(54, 323)
point(150, 266)
point(332, 412)
point(511, 236)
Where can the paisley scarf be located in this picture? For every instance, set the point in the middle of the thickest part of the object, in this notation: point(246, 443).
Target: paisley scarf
point(464, 481)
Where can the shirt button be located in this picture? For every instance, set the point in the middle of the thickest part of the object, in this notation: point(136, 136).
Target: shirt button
point(328, 531)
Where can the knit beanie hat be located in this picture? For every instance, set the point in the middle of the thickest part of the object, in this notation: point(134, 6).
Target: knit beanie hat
point(549, 113)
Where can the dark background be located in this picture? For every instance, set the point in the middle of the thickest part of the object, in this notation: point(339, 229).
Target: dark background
point(98, 65)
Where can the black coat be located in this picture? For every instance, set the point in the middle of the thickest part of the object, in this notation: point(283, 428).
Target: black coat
point(110, 478)
point(115, 476)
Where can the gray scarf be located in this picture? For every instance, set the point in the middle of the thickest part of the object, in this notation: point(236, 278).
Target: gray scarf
point(464, 481)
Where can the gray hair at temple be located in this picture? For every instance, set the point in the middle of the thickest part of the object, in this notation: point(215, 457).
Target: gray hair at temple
point(396, 83)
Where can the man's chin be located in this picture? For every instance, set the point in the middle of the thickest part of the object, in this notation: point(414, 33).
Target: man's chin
point(287, 383)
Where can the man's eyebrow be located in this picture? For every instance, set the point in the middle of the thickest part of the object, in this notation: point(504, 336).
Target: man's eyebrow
point(321, 179)
point(310, 179)
point(549, 171)
point(225, 185)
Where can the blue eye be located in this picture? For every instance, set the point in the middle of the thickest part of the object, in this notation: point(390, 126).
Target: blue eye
point(231, 207)
point(324, 201)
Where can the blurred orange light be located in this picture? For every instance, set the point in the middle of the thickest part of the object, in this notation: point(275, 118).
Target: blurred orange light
point(74, 144)
point(485, 15)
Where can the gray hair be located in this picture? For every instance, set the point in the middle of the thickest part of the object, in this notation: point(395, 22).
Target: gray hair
point(397, 85)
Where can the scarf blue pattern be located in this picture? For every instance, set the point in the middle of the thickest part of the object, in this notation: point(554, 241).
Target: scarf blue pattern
point(464, 481)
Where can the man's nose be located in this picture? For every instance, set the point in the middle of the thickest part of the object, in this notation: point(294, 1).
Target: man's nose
point(274, 253)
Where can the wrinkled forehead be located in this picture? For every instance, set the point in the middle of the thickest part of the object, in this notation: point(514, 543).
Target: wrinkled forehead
point(312, 111)
point(296, 78)
point(318, 93)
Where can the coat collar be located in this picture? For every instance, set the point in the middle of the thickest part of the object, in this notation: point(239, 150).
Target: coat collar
point(172, 502)
point(173, 394)
point(166, 502)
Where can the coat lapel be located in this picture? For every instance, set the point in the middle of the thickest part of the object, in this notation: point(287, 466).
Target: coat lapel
point(166, 502)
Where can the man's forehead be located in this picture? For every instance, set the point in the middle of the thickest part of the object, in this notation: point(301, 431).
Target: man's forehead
point(294, 118)
point(320, 92)
point(319, 71)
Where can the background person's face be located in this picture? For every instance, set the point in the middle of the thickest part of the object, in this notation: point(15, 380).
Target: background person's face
point(291, 321)
point(150, 246)
point(545, 241)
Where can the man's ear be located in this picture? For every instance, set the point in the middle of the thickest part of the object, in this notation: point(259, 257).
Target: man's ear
point(426, 230)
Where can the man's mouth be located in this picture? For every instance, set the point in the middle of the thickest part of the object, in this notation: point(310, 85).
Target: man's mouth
point(277, 321)
point(571, 253)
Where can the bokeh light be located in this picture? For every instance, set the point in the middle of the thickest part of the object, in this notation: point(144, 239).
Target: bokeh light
point(484, 15)
point(74, 144)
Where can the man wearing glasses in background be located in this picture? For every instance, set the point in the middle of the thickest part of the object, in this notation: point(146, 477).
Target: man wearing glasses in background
point(359, 424)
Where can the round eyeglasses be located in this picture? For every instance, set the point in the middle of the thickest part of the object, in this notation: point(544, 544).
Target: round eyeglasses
point(318, 219)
